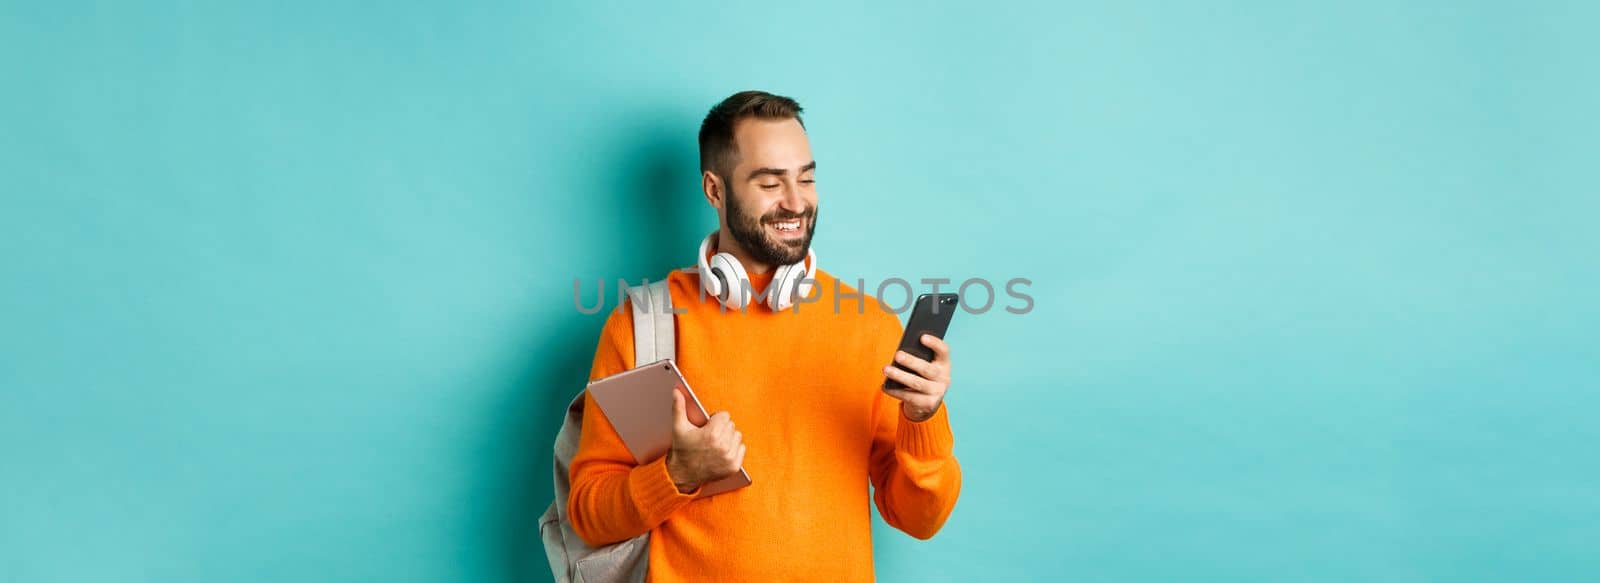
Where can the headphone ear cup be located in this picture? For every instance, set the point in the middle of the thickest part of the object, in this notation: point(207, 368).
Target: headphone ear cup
point(711, 279)
point(802, 288)
point(807, 268)
point(730, 275)
point(783, 285)
point(794, 282)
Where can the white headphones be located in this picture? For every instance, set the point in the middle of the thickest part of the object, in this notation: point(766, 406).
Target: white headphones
point(722, 276)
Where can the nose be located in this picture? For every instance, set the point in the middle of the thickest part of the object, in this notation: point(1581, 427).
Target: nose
point(792, 201)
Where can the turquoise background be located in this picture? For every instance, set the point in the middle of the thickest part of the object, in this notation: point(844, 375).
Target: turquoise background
point(287, 288)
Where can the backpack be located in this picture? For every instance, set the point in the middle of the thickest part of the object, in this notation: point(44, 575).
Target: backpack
point(571, 559)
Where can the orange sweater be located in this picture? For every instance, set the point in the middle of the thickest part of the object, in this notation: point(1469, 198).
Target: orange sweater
point(804, 389)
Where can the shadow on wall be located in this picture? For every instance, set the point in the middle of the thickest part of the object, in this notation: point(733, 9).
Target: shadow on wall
point(658, 216)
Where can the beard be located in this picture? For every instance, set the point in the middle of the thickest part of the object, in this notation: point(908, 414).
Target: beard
point(751, 233)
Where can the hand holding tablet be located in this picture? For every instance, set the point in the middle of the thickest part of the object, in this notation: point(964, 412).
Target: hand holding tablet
point(655, 413)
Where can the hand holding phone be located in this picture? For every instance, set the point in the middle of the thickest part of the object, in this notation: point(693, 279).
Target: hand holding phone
point(920, 374)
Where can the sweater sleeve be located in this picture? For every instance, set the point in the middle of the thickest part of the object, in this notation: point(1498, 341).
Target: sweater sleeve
point(915, 477)
point(613, 498)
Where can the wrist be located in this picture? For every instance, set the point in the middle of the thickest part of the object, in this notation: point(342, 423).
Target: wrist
point(679, 476)
point(917, 414)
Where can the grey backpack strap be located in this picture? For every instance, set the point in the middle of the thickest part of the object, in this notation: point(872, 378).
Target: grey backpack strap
point(571, 559)
point(653, 337)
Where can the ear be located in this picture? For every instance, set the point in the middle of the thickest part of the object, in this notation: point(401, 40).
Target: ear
point(713, 188)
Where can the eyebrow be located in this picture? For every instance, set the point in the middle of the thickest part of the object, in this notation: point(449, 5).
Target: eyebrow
point(780, 171)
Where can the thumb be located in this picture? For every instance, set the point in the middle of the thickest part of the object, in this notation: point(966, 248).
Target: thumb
point(680, 417)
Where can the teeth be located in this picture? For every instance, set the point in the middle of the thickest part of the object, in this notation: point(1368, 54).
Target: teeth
point(787, 225)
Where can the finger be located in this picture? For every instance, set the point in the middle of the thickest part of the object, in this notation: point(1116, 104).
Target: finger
point(680, 418)
point(738, 458)
point(941, 351)
point(719, 419)
point(911, 381)
point(917, 365)
point(912, 397)
point(738, 438)
point(721, 424)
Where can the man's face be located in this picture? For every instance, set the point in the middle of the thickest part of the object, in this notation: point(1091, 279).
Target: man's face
point(771, 199)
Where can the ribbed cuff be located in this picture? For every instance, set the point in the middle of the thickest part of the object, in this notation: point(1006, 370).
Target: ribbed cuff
point(653, 492)
point(927, 439)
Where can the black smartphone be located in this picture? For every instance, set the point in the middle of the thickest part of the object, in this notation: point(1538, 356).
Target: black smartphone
point(930, 315)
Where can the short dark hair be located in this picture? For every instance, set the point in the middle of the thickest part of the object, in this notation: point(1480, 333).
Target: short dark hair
point(718, 152)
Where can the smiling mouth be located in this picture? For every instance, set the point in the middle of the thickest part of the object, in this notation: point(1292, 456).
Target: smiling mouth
point(786, 227)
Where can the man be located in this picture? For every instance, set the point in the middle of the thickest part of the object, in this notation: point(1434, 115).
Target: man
point(797, 393)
